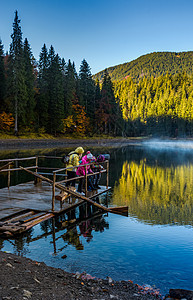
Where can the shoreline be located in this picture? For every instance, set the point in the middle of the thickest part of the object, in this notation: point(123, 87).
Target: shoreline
point(66, 143)
point(23, 278)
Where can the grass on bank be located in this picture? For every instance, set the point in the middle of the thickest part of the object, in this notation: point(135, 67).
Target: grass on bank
point(43, 135)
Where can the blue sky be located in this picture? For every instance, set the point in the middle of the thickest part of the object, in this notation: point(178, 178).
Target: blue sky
point(104, 32)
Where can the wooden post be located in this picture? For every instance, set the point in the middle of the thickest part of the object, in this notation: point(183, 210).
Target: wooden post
point(86, 183)
point(36, 164)
point(9, 176)
point(37, 180)
point(107, 174)
point(53, 190)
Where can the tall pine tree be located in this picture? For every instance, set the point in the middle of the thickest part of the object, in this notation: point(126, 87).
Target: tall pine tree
point(43, 91)
point(56, 92)
point(108, 104)
point(29, 81)
point(71, 84)
point(17, 91)
point(87, 89)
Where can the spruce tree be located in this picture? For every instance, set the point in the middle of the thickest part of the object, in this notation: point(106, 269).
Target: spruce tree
point(70, 90)
point(43, 96)
point(97, 94)
point(2, 79)
point(30, 82)
point(108, 104)
point(56, 92)
point(17, 91)
point(87, 89)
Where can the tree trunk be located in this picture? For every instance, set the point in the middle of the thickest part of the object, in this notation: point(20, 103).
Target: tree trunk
point(16, 118)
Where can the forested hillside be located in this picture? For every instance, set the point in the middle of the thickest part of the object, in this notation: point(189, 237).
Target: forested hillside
point(158, 106)
point(153, 64)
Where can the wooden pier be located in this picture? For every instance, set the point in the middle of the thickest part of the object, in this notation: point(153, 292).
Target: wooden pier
point(27, 204)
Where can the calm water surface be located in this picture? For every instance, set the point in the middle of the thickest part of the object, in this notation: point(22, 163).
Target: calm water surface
point(153, 246)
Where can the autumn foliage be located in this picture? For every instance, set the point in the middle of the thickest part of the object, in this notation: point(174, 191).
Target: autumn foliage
point(78, 122)
point(6, 121)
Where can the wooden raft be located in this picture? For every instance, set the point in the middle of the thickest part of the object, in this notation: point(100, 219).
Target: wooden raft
point(22, 221)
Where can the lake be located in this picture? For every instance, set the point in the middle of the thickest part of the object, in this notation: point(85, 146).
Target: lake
point(153, 246)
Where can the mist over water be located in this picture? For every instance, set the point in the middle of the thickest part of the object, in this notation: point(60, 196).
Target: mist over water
point(159, 144)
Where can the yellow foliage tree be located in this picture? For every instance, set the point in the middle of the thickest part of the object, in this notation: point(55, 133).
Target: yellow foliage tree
point(78, 122)
point(6, 121)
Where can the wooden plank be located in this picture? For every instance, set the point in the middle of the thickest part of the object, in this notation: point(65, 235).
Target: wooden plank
point(16, 214)
point(42, 173)
point(20, 216)
point(13, 229)
point(18, 169)
point(39, 220)
point(33, 217)
point(18, 159)
point(120, 208)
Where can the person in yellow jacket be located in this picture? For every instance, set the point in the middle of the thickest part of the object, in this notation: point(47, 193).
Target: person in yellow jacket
point(74, 158)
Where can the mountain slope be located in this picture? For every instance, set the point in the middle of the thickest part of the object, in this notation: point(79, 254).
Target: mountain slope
point(153, 64)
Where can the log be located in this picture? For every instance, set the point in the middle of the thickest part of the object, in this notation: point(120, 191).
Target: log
point(122, 210)
point(68, 190)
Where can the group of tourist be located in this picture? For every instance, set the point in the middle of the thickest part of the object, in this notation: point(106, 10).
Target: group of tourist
point(79, 165)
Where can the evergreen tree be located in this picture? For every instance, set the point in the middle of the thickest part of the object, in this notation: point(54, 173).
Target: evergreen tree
point(17, 91)
point(97, 94)
point(29, 81)
point(56, 92)
point(87, 89)
point(43, 97)
point(108, 104)
point(2, 79)
point(71, 80)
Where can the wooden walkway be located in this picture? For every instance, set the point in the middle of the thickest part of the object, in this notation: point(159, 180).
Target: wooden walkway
point(25, 205)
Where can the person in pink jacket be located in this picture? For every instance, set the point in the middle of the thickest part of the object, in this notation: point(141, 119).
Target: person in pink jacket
point(81, 171)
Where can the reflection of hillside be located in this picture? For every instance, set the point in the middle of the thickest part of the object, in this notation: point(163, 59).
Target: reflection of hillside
point(156, 195)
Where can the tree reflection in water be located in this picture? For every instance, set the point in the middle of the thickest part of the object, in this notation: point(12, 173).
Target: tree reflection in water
point(155, 194)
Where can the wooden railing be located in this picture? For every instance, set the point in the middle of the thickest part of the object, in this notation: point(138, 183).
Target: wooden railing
point(54, 172)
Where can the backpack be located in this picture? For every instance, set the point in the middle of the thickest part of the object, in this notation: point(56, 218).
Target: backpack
point(101, 158)
point(65, 159)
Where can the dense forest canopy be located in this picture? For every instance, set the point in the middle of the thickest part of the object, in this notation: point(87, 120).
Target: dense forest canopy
point(49, 96)
point(153, 64)
point(152, 95)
